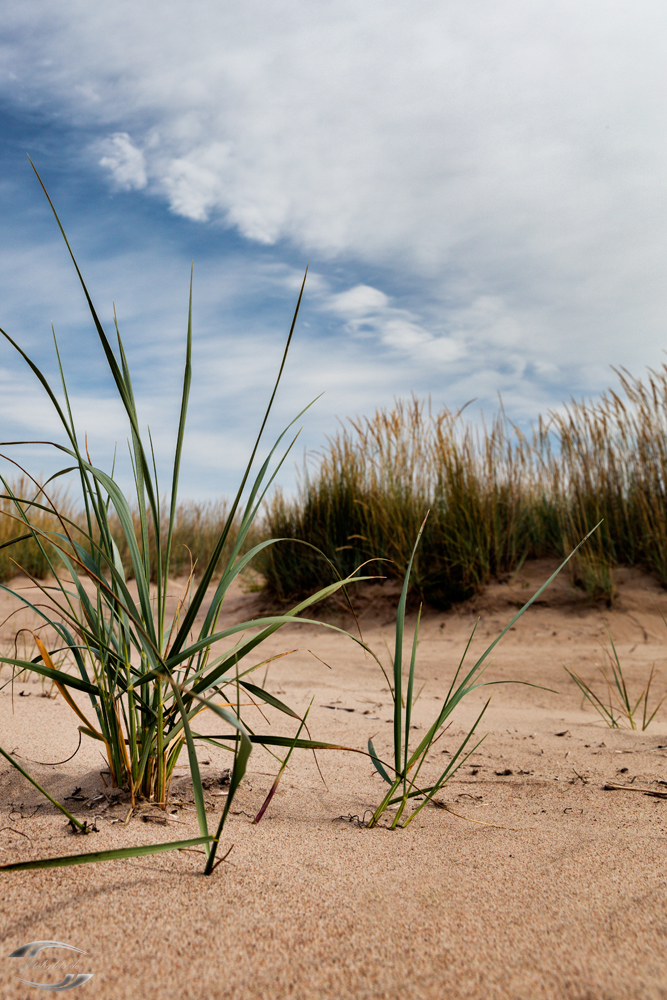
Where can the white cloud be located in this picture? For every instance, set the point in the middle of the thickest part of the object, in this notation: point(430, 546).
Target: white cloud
point(368, 313)
point(489, 319)
point(511, 151)
point(125, 162)
point(359, 302)
point(506, 161)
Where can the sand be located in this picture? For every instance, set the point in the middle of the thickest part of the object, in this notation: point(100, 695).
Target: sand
point(551, 887)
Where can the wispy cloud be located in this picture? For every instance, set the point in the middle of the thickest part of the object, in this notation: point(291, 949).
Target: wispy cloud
point(369, 314)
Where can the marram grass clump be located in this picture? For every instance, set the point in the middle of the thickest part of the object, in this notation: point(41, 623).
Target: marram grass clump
point(409, 790)
point(147, 673)
point(497, 497)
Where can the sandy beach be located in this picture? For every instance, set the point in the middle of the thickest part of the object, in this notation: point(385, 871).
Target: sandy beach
point(534, 882)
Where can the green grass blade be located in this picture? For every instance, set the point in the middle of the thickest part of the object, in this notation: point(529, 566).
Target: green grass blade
point(200, 593)
point(197, 787)
point(270, 699)
point(538, 593)
point(284, 741)
point(269, 622)
point(377, 764)
point(115, 855)
point(398, 656)
point(591, 696)
point(276, 782)
point(73, 820)
point(125, 395)
point(409, 695)
point(243, 750)
point(187, 380)
point(68, 680)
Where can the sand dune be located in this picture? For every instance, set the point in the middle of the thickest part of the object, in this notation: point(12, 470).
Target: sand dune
point(549, 887)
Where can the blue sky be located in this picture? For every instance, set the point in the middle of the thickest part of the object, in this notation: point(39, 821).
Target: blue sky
point(479, 189)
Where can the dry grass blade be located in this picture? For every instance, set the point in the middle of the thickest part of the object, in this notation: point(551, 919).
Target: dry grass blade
point(611, 787)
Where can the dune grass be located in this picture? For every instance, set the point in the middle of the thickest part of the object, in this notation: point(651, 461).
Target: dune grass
point(18, 547)
point(612, 699)
point(149, 671)
point(497, 497)
point(196, 528)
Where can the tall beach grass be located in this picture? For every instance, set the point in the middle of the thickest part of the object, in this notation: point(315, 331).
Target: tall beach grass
point(496, 495)
point(196, 529)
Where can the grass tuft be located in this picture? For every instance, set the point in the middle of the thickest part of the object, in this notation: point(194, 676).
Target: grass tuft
point(613, 701)
point(147, 672)
point(403, 782)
